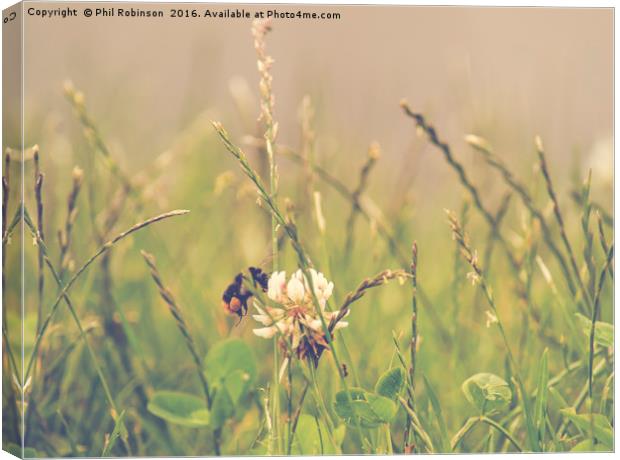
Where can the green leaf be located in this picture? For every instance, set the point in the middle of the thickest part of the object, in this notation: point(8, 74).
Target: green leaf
point(342, 406)
point(369, 409)
point(29, 452)
point(586, 422)
point(384, 408)
point(180, 408)
point(229, 357)
point(587, 446)
point(237, 384)
point(390, 383)
point(222, 408)
point(311, 438)
point(603, 332)
point(541, 393)
point(557, 400)
point(230, 367)
point(445, 440)
point(488, 393)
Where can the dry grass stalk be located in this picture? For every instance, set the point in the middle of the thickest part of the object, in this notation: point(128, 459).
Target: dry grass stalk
point(383, 230)
point(484, 148)
point(62, 295)
point(5, 191)
point(595, 314)
point(413, 346)
point(382, 227)
point(374, 152)
point(65, 234)
point(502, 210)
point(431, 133)
point(603, 241)
point(177, 314)
point(94, 137)
point(5, 208)
point(369, 283)
point(578, 199)
point(558, 216)
point(38, 194)
point(477, 277)
point(588, 235)
point(520, 287)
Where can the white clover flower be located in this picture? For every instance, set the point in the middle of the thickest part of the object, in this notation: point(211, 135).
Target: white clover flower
point(294, 315)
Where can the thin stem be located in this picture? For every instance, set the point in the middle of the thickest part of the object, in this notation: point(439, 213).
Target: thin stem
point(603, 241)
point(64, 296)
point(472, 421)
point(558, 216)
point(38, 193)
point(477, 277)
point(177, 314)
point(414, 315)
point(481, 146)
point(102, 250)
point(373, 156)
point(595, 313)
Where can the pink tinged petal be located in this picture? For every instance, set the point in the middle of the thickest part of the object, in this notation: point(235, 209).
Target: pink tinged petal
point(276, 285)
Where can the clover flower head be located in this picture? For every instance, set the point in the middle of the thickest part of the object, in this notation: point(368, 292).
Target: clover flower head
point(293, 314)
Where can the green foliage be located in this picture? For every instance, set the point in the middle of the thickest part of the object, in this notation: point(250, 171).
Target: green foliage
point(28, 452)
point(588, 446)
point(371, 410)
point(391, 383)
point(488, 393)
point(603, 332)
point(180, 408)
point(230, 367)
point(540, 408)
point(119, 431)
point(312, 437)
point(230, 360)
point(443, 431)
point(226, 232)
point(601, 427)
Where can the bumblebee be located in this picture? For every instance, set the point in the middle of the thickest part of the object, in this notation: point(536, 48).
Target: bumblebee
point(236, 296)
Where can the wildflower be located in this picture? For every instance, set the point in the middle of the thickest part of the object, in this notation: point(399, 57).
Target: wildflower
point(294, 315)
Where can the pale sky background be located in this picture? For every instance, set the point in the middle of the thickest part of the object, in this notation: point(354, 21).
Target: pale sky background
point(506, 73)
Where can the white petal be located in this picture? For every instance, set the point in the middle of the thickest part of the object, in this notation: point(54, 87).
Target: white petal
point(340, 325)
point(315, 324)
point(275, 286)
point(266, 332)
point(329, 289)
point(263, 319)
point(295, 290)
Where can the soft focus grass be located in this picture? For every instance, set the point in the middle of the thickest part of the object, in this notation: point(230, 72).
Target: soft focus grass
point(226, 231)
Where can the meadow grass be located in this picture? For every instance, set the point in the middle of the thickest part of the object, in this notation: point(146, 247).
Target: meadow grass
point(143, 335)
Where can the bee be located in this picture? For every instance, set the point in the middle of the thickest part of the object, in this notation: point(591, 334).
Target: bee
point(236, 296)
